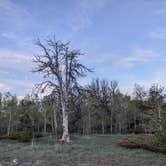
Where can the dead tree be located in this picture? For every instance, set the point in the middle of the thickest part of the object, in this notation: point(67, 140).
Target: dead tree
point(61, 69)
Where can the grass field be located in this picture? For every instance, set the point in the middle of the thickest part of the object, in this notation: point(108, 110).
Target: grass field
point(95, 150)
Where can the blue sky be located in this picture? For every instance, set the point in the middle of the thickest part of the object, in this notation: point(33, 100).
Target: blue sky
point(123, 40)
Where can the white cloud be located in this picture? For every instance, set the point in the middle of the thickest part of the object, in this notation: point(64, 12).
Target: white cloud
point(138, 56)
point(4, 73)
point(16, 85)
point(4, 87)
point(158, 34)
point(22, 84)
point(84, 13)
point(13, 59)
point(159, 76)
point(84, 81)
point(12, 66)
point(19, 97)
point(8, 35)
point(9, 7)
point(13, 16)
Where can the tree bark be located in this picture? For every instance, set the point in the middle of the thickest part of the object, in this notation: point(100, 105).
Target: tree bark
point(55, 117)
point(45, 121)
point(89, 128)
point(65, 137)
point(111, 119)
point(159, 117)
point(103, 129)
point(120, 128)
point(9, 123)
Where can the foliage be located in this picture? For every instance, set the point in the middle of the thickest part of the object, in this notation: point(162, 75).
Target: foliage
point(99, 107)
point(20, 136)
point(148, 142)
point(161, 131)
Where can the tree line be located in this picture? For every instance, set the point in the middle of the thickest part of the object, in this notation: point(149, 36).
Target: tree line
point(67, 107)
point(98, 108)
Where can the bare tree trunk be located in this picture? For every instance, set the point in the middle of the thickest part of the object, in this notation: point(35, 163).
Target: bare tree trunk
point(116, 125)
point(9, 123)
point(83, 130)
point(52, 125)
point(120, 128)
point(65, 136)
point(45, 121)
point(38, 127)
point(135, 121)
point(89, 131)
point(111, 124)
point(159, 116)
point(55, 118)
point(103, 129)
point(55, 123)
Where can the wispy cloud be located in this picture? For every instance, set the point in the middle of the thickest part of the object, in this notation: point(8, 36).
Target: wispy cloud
point(4, 87)
point(12, 17)
point(21, 84)
point(84, 13)
point(159, 76)
point(16, 85)
point(8, 35)
point(84, 81)
point(137, 57)
point(119, 60)
point(14, 70)
point(9, 7)
point(13, 59)
point(4, 73)
point(158, 34)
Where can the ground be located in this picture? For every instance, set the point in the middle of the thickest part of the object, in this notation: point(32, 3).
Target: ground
point(97, 150)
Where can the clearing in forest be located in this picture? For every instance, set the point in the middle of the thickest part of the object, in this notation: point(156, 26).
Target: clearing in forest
point(97, 150)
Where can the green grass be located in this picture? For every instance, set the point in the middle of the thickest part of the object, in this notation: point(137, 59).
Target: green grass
point(94, 150)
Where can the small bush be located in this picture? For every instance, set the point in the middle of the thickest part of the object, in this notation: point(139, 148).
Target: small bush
point(139, 130)
point(14, 135)
point(3, 137)
point(25, 136)
point(20, 136)
point(148, 142)
point(38, 134)
point(161, 132)
point(58, 132)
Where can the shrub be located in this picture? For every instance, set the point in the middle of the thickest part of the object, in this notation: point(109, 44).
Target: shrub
point(3, 137)
point(25, 136)
point(14, 135)
point(148, 142)
point(20, 136)
point(161, 132)
point(38, 134)
point(58, 132)
point(139, 130)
